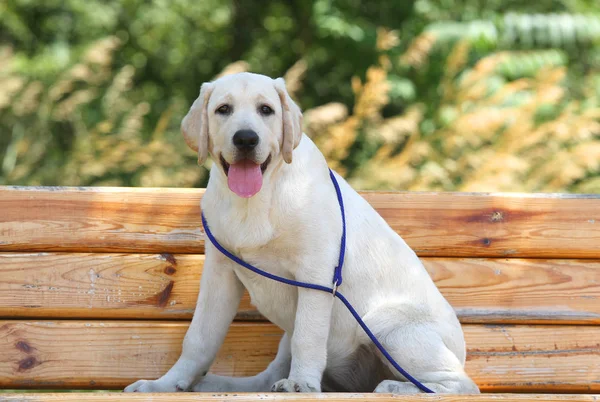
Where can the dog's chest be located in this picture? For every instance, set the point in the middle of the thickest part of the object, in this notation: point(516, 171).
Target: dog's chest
point(276, 301)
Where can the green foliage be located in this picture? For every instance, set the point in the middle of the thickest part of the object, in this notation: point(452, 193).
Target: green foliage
point(523, 31)
point(528, 64)
point(92, 92)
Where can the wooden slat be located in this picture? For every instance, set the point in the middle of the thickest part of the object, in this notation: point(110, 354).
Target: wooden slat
point(331, 397)
point(64, 285)
point(111, 354)
point(165, 286)
point(168, 220)
point(100, 219)
point(520, 290)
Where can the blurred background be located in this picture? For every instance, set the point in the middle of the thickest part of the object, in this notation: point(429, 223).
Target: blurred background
point(443, 95)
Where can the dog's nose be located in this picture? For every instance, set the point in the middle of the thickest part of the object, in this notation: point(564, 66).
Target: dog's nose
point(245, 140)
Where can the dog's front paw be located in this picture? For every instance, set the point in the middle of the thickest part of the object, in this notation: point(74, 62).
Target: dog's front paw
point(157, 386)
point(286, 385)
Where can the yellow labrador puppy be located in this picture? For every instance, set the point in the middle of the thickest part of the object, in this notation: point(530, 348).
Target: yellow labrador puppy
point(270, 201)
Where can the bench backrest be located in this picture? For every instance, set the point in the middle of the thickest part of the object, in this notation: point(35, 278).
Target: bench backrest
point(97, 285)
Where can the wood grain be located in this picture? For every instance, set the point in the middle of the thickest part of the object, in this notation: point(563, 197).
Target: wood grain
point(165, 286)
point(244, 397)
point(519, 290)
point(111, 354)
point(168, 220)
point(64, 285)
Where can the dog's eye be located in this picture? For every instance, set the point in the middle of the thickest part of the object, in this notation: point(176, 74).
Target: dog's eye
point(224, 109)
point(266, 110)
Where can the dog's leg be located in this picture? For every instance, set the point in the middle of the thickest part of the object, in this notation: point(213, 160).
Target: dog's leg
point(220, 295)
point(309, 343)
point(418, 347)
point(277, 369)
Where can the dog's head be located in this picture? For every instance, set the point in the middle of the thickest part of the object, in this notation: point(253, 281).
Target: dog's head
point(247, 122)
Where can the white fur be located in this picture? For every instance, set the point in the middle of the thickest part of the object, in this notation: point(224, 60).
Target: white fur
point(292, 228)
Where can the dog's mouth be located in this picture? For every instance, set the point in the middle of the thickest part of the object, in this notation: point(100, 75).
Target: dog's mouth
point(225, 165)
point(263, 166)
point(244, 177)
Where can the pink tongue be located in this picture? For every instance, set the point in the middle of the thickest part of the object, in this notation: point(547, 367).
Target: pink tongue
point(244, 178)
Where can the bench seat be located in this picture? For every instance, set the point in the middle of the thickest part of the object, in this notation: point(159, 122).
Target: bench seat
point(98, 285)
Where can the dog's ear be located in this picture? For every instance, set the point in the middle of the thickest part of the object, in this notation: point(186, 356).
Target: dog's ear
point(292, 121)
point(194, 125)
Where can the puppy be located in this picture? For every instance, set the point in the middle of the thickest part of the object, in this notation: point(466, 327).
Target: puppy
point(271, 202)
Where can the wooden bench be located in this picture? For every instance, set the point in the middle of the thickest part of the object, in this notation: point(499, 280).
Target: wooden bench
point(97, 286)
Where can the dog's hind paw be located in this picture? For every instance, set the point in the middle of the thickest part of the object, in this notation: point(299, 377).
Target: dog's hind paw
point(286, 385)
point(396, 387)
point(157, 386)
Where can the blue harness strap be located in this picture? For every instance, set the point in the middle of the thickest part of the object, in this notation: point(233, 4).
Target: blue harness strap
point(337, 281)
point(337, 273)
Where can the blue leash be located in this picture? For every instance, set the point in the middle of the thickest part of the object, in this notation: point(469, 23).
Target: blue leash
point(337, 281)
